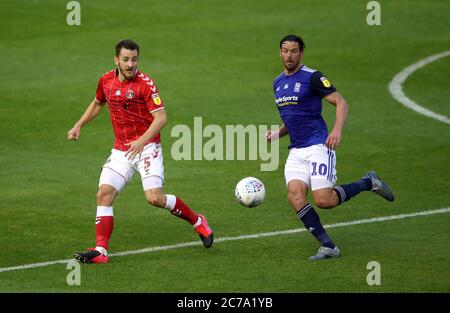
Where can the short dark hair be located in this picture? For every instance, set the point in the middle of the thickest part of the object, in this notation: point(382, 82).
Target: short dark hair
point(127, 44)
point(293, 38)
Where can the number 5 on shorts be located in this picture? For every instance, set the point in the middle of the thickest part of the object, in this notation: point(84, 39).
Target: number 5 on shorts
point(147, 164)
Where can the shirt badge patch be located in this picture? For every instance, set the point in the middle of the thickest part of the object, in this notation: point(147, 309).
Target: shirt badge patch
point(156, 99)
point(297, 87)
point(129, 94)
point(118, 92)
point(286, 86)
point(325, 82)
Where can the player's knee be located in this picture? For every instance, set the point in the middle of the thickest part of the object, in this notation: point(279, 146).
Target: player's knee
point(105, 196)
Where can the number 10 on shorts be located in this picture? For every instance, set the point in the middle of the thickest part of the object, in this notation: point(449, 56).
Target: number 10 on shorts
point(322, 169)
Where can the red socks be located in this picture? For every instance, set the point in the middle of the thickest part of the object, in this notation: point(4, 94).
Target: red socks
point(104, 224)
point(183, 211)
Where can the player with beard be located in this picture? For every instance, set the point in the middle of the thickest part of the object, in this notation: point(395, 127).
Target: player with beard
point(311, 164)
point(137, 115)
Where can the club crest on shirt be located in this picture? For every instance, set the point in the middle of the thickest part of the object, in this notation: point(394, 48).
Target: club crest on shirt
point(156, 99)
point(297, 87)
point(325, 82)
point(129, 94)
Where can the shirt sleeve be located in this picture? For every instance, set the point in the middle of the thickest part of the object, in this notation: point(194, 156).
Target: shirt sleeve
point(320, 85)
point(152, 98)
point(100, 95)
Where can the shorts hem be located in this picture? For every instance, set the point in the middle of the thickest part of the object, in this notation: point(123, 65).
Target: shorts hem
point(145, 188)
point(321, 184)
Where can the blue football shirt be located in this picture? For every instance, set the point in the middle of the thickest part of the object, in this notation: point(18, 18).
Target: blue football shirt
point(298, 98)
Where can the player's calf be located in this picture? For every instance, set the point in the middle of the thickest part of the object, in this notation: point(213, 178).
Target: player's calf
point(156, 197)
point(177, 207)
point(297, 191)
point(311, 220)
point(325, 198)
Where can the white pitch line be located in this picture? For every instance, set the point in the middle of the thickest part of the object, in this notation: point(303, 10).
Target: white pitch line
point(395, 87)
point(259, 235)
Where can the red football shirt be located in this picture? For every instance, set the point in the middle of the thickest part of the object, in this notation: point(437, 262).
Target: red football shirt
point(130, 103)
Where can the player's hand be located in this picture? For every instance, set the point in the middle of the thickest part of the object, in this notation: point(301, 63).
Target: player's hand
point(74, 133)
point(272, 136)
point(334, 139)
point(135, 148)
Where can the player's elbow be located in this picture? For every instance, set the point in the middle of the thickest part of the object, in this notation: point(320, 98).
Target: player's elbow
point(341, 102)
point(344, 104)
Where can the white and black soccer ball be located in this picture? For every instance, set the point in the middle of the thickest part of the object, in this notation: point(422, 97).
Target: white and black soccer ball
point(250, 192)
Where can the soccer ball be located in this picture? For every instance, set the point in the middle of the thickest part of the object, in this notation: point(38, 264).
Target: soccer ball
point(250, 192)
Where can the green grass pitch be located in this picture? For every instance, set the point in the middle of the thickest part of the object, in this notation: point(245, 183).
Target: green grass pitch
point(217, 60)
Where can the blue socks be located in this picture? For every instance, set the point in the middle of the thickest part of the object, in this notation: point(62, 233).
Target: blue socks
point(311, 220)
point(309, 217)
point(346, 192)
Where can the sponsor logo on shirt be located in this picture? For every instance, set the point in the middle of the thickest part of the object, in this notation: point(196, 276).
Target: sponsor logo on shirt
point(156, 99)
point(325, 82)
point(283, 101)
point(286, 86)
